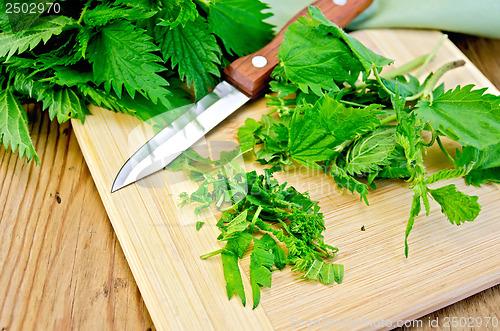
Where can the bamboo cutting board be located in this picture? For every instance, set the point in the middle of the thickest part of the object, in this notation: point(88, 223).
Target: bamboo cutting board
point(182, 292)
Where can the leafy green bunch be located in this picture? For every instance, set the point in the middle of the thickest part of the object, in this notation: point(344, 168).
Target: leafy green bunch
point(130, 56)
point(338, 113)
point(259, 215)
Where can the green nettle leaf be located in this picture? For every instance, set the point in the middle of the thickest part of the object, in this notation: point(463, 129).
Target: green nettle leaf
point(102, 99)
point(239, 243)
point(240, 25)
point(445, 174)
point(179, 13)
point(27, 86)
point(398, 167)
point(282, 89)
point(278, 253)
point(158, 115)
point(4, 21)
point(71, 77)
point(246, 134)
point(483, 176)
point(274, 136)
point(83, 38)
point(232, 275)
point(369, 59)
point(346, 123)
point(309, 142)
point(14, 130)
point(63, 103)
point(327, 273)
point(144, 4)
point(344, 180)
point(405, 86)
point(480, 166)
point(457, 206)
point(122, 55)
point(194, 50)
point(468, 116)
point(44, 62)
point(105, 13)
point(372, 151)
point(239, 223)
point(416, 206)
point(199, 225)
point(314, 60)
point(488, 157)
point(407, 131)
point(45, 27)
point(261, 261)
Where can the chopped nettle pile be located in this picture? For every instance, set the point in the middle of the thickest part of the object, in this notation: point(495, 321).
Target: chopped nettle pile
point(129, 56)
point(259, 212)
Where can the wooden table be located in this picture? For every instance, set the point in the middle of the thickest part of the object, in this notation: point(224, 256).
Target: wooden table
point(61, 264)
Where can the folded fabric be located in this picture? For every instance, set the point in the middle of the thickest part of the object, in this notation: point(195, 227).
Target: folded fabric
point(480, 17)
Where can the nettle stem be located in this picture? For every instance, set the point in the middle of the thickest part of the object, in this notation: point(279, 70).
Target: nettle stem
point(379, 80)
point(208, 255)
point(254, 219)
point(404, 69)
point(421, 61)
point(407, 67)
point(444, 149)
point(83, 12)
point(352, 104)
point(432, 54)
point(431, 83)
point(48, 79)
point(388, 119)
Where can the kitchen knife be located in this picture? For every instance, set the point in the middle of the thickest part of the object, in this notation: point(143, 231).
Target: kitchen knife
point(246, 79)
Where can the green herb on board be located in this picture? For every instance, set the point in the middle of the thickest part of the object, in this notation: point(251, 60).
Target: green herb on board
point(334, 110)
point(269, 221)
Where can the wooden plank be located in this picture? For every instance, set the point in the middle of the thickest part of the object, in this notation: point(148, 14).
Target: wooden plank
point(446, 264)
point(61, 266)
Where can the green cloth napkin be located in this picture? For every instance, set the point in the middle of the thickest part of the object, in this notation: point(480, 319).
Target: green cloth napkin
point(480, 17)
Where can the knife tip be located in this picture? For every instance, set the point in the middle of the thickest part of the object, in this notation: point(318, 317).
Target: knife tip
point(117, 185)
point(115, 188)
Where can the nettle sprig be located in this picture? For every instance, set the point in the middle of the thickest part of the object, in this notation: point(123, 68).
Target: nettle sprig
point(338, 112)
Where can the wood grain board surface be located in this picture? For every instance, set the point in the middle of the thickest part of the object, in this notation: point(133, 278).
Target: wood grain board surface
point(446, 263)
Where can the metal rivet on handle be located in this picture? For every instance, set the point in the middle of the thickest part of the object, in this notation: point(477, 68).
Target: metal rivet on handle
point(340, 2)
point(259, 61)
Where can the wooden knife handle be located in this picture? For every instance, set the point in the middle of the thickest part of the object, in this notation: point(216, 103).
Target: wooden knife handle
point(252, 80)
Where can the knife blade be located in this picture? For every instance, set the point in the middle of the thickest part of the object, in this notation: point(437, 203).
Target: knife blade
point(246, 79)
